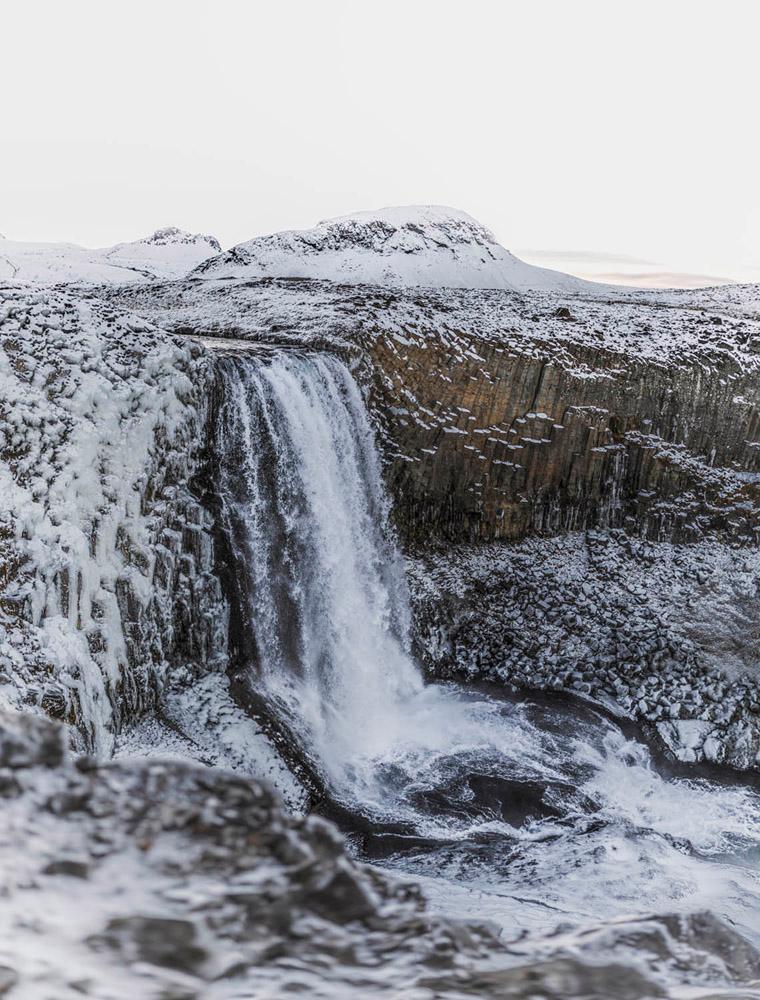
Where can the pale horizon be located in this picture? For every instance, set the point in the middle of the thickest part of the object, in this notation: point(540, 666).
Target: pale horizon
point(610, 132)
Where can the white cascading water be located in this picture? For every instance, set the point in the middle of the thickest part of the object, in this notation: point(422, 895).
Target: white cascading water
point(326, 595)
point(326, 611)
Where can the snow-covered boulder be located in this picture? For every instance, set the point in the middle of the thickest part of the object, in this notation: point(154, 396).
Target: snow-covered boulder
point(426, 245)
point(167, 879)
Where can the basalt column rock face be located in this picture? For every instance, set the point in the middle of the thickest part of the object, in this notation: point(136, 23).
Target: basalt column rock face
point(510, 433)
point(504, 415)
point(106, 553)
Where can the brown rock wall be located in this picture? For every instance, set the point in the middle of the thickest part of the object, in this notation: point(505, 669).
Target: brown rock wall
point(488, 443)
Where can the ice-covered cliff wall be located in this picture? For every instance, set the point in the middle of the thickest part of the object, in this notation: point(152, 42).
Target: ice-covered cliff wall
point(106, 555)
point(507, 418)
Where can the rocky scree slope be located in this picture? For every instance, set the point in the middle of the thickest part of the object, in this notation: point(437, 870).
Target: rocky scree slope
point(668, 634)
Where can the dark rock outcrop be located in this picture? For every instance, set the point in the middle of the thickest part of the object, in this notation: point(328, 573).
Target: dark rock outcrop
point(502, 418)
point(664, 633)
point(498, 433)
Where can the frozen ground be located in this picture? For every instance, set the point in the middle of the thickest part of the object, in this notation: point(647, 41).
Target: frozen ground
point(320, 313)
point(668, 634)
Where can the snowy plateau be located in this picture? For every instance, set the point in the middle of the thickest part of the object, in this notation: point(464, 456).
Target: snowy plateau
point(380, 617)
point(168, 253)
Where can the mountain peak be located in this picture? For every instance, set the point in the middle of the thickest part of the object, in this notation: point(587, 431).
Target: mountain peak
point(417, 217)
point(408, 246)
point(167, 254)
point(172, 235)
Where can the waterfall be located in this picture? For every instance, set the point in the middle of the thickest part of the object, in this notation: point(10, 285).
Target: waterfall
point(510, 799)
point(324, 595)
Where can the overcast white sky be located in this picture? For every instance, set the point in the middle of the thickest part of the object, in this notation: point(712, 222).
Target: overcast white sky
point(620, 126)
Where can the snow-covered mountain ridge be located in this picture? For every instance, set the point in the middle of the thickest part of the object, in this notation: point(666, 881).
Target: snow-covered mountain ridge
point(167, 254)
point(425, 246)
point(429, 246)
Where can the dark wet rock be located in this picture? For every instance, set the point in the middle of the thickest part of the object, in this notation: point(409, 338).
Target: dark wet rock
point(67, 866)
point(713, 947)
point(340, 897)
point(160, 941)
point(511, 440)
point(54, 703)
point(562, 312)
point(27, 741)
point(559, 979)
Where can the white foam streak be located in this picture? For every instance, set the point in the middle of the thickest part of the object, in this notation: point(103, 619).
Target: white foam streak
point(714, 819)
